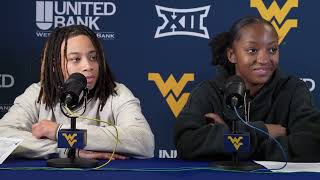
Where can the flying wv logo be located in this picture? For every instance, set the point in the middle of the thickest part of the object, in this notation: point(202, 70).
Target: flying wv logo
point(70, 138)
point(236, 141)
point(188, 22)
point(279, 14)
point(176, 87)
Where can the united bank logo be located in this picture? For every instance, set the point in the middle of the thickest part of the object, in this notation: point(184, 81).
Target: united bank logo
point(189, 22)
point(5, 108)
point(51, 14)
point(6, 81)
point(172, 90)
point(311, 84)
point(277, 16)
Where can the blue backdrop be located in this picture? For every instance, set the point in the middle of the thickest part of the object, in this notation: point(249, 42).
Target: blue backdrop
point(158, 48)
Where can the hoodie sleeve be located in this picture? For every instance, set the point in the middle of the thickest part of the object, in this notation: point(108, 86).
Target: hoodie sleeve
point(17, 123)
point(135, 136)
point(194, 137)
point(302, 140)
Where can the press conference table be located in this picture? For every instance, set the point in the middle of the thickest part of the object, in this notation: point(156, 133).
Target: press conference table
point(18, 169)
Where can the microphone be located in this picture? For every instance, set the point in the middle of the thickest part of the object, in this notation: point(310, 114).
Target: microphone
point(233, 95)
point(234, 92)
point(72, 138)
point(235, 141)
point(72, 89)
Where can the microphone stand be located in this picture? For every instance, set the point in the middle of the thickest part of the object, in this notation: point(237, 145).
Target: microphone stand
point(235, 164)
point(72, 161)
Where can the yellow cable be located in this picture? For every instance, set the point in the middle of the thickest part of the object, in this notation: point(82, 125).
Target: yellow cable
point(94, 119)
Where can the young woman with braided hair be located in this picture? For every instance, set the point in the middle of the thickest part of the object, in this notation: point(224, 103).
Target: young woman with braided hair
point(36, 116)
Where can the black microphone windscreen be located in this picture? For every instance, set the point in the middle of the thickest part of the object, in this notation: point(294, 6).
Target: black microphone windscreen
point(72, 89)
point(234, 88)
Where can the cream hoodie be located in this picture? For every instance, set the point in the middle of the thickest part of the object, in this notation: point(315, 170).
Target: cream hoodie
point(122, 109)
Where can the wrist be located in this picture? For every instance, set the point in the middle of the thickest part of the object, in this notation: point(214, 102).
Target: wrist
point(57, 131)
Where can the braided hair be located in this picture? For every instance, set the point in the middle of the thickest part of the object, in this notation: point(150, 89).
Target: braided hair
point(51, 76)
